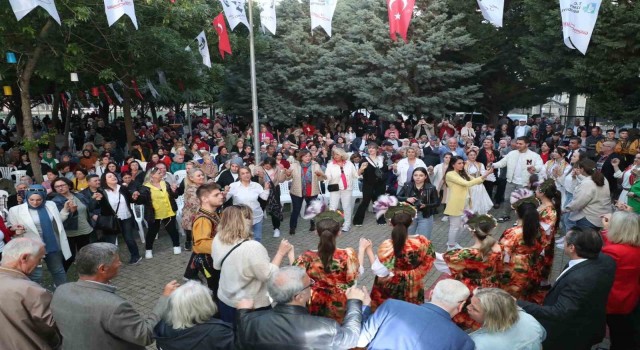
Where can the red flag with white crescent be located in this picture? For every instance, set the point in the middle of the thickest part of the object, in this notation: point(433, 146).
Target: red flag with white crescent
point(104, 91)
point(223, 36)
point(400, 13)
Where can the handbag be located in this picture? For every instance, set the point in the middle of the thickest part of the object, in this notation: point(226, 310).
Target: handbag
point(378, 172)
point(109, 223)
point(333, 188)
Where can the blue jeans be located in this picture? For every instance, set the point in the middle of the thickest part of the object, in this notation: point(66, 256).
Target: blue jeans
point(257, 231)
point(127, 232)
point(583, 223)
point(422, 226)
point(565, 223)
point(55, 266)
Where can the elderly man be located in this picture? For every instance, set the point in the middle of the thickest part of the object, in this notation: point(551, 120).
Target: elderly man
point(453, 148)
point(605, 166)
point(91, 315)
point(573, 312)
point(25, 316)
point(522, 129)
point(400, 325)
point(289, 326)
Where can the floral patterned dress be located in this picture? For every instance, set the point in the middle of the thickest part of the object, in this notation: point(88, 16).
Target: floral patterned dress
point(548, 218)
point(328, 298)
point(470, 267)
point(519, 274)
point(190, 208)
point(409, 270)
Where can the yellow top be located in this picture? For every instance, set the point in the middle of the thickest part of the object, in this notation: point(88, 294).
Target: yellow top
point(79, 185)
point(458, 192)
point(202, 236)
point(160, 201)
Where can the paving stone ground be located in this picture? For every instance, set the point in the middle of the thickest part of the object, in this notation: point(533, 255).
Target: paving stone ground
point(143, 284)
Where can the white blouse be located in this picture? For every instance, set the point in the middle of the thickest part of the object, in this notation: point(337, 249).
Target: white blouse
point(115, 196)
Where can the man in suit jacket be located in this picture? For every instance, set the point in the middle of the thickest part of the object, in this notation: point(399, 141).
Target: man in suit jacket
point(25, 314)
point(90, 315)
point(606, 168)
point(400, 325)
point(431, 152)
point(574, 310)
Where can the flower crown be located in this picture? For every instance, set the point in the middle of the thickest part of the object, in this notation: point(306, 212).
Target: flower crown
point(473, 220)
point(317, 210)
point(521, 196)
point(544, 185)
point(389, 206)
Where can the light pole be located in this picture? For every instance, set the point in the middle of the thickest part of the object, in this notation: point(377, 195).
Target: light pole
point(254, 91)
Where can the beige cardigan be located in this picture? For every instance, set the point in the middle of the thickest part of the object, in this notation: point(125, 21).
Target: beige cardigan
point(296, 177)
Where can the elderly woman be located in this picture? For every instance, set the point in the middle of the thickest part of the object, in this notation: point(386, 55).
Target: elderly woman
point(229, 176)
point(233, 251)
point(628, 176)
point(341, 177)
point(504, 324)
point(405, 166)
point(305, 175)
point(621, 237)
point(41, 220)
point(189, 323)
point(195, 178)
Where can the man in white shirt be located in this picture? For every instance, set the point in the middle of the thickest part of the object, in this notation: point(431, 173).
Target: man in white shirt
point(522, 129)
point(520, 163)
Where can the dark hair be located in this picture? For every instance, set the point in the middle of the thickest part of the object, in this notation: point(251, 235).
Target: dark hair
point(114, 163)
point(587, 241)
point(610, 130)
point(63, 179)
point(91, 176)
point(528, 213)
point(206, 189)
point(302, 153)
point(533, 182)
point(327, 231)
point(555, 196)
point(589, 167)
point(269, 161)
point(82, 170)
point(422, 170)
point(399, 234)
point(454, 160)
point(103, 179)
point(523, 138)
point(561, 151)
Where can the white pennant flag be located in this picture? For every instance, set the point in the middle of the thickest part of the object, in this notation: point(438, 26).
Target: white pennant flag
point(578, 21)
point(204, 49)
point(492, 11)
point(268, 15)
point(152, 89)
point(234, 11)
point(322, 14)
point(22, 7)
point(118, 97)
point(116, 8)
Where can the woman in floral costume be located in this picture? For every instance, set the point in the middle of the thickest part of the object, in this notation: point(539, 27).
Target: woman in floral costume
point(478, 265)
point(333, 269)
point(521, 246)
point(403, 261)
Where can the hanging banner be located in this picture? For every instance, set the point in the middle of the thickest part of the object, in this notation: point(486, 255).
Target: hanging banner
point(492, 11)
point(137, 91)
point(578, 21)
point(321, 12)
point(268, 15)
point(116, 8)
point(234, 11)
point(400, 13)
point(115, 93)
point(162, 78)
point(104, 91)
point(223, 35)
point(22, 7)
point(203, 47)
point(152, 89)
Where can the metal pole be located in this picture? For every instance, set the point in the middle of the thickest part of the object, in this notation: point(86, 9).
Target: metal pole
point(254, 91)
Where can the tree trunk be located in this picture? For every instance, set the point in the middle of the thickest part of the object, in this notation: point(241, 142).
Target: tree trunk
point(154, 113)
point(24, 74)
point(67, 121)
point(128, 121)
point(55, 106)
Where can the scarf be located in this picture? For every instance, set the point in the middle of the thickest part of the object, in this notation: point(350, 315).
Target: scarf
point(307, 177)
point(51, 162)
point(48, 235)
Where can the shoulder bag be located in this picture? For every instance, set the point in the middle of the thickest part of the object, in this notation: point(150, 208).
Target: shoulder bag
point(109, 223)
point(229, 253)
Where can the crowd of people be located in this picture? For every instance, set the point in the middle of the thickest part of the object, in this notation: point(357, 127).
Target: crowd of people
point(564, 187)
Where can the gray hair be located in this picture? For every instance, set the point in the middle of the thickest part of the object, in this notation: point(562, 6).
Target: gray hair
point(19, 246)
point(190, 304)
point(91, 256)
point(286, 283)
point(450, 292)
point(624, 228)
point(499, 309)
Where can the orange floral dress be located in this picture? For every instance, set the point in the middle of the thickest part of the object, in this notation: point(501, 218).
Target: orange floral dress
point(327, 294)
point(548, 218)
point(468, 266)
point(519, 274)
point(409, 270)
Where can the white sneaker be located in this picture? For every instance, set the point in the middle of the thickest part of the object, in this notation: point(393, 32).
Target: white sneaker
point(176, 250)
point(276, 233)
point(345, 229)
point(453, 247)
point(148, 254)
point(445, 218)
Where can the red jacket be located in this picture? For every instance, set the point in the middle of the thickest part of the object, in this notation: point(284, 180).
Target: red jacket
point(5, 231)
point(625, 292)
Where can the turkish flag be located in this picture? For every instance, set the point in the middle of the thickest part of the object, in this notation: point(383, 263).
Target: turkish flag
point(400, 13)
point(223, 36)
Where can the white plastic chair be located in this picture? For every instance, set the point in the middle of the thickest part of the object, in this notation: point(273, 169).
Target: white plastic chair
point(356, 194)
point(285, 196)
point(179, 176)
point(323, 195)
point(143, 165)
point(18, 174)
point(138, 214)
point(4, 211)
point(180, 203)
point(6, 171)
